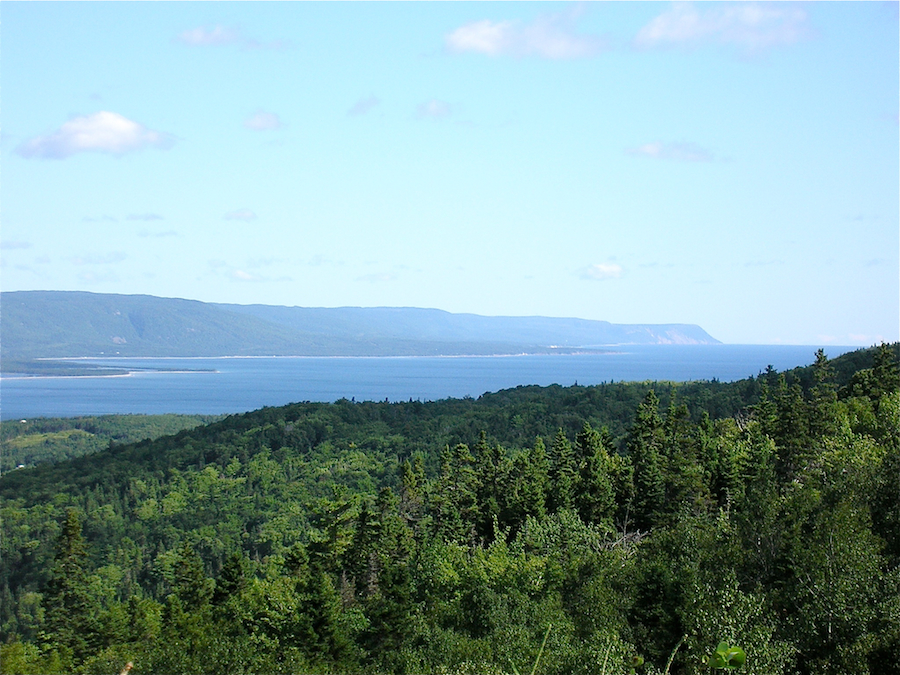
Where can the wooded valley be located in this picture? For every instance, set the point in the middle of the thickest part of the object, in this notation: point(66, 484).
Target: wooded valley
point(616, 528)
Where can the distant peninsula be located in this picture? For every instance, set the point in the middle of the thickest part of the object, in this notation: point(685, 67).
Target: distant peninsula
point(71, 324)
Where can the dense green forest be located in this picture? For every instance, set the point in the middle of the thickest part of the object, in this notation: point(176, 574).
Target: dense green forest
point(628, 527)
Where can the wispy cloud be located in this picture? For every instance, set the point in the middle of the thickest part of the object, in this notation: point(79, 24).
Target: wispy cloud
point(602, 271)
point(768, 262)
point(751, 26)
point(143, 216)
point(364, 105)
point(550, 36)
point(264, 262)
point(103, 131)
point(94, 277)
point(377, 277)
point(159, 235)
point(679, 152)
point(434, 109)
point(263, 121)
point(240, 214)
point(10, 245)
point(217, 36)
point(207, 37)
point(94, 259)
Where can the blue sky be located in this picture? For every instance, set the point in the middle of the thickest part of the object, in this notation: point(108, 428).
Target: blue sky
point(732, 165)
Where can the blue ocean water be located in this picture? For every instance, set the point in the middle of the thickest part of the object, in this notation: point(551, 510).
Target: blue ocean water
point(232, 385)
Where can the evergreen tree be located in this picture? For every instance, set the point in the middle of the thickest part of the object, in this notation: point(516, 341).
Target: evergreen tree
point(595, 497)
point(190, 584)
point(491, 475)
point(765, 412)
point(645, 447)
point(791, 432)
point(533, 482)
point(232, 579)
point(361, 559)
point(823, 401)
point(390, 608)
point(412, 481)
point(686, 490)
point(70, 612)
point(563, 474)
point(315, 629)
point(454, 494)
point(885, 373)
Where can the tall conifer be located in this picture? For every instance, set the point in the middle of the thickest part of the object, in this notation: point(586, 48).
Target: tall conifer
point(563, 474)
point(70, 614)
point(645, 445)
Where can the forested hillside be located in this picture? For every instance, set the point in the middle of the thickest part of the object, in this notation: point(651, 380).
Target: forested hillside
point(57, 324)
point(25, 443)
point(641, 524)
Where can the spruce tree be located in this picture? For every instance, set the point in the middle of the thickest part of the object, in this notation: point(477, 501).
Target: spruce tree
point(822, 420)
point(645, 446)
point(70, 613)
point(885, 373)
point(563, 474)
point(791, 432)
point(595, 496)
point(686, 489)
point(490, 473)
point(535, 481)
point(232, 579)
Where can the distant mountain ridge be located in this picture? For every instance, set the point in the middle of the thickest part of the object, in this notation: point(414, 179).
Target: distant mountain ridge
point(42, 324)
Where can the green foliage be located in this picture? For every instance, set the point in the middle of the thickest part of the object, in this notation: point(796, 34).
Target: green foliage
point(446, 537)
point(28, 442)
point(726, 656)
point(537, 659)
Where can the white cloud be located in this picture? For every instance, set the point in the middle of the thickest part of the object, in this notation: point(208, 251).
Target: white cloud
point(205, 37)
point(263, 121)
point(364, 105)
point(550, 36)
point(753, 26)
point(240, 214)
point(482, 37)
point(681, 152)
point(241, 275)
point(602, 271)
point(434, 108)
point(101, 132)
point(143, 216)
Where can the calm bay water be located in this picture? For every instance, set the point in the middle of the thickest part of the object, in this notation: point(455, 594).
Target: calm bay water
point(242, 384)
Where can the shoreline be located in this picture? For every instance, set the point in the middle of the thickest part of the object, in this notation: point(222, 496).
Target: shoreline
point(89, 360)
point(130, 373)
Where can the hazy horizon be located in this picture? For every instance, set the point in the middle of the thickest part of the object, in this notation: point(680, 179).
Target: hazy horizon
point(729, 165)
